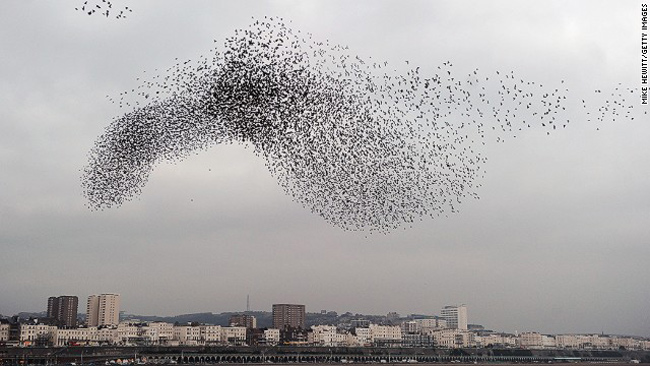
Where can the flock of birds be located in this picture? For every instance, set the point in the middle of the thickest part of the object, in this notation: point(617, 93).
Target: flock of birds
point(360, 143)
point(103, 7)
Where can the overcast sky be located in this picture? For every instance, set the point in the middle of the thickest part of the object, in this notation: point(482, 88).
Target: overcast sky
point(559, 241)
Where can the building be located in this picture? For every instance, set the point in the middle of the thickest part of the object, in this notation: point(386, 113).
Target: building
point(243, 320)
point(234, 335)
point(359, 323)
point(76, 337)
point(385, 335)
point(103, 310)
point(416, 340)
point(455, 316)
point(363, 337)
point(272, 336)
point(452, 338)
point(430, 323)
point(255, 337)
point(164, 331)
point(410, 327)
point(392, 317)
point(211, 334)
point(326, 336)
point(530, 340)
point(4, 331)
point(288, 316)
point(187, 335)
point(37, 334)
point(136, 333)
point(63, 309)
point(107, 335)
point(496, 340)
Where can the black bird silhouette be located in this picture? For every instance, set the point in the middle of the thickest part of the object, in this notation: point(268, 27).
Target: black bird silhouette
point(104, 6)
point(363, 147)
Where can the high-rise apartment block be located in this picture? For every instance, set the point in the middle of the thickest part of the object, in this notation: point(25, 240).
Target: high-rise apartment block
point(455, 316)
point(63, 309)
point(243, 320)
point(103, 310)
point(288, 315)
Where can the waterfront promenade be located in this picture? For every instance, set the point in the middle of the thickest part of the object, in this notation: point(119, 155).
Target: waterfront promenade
point(313, 355)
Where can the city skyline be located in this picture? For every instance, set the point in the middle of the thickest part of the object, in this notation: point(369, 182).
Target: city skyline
point(557, 242)
point(445, 332)
point(452, 316)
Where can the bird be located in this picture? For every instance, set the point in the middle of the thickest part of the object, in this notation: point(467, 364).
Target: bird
point(366, 148)
point(102, 7)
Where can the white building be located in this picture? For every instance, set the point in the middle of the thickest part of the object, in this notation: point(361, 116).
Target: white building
point(455, 316)
point(385, 335)
point(410, 327)
point(4, 332)
point(536, 340)
point(626, 342)
point(452, 338)
point(272, 336)
point(30, 333)
point(76, 336)
point(548, 341)
point(598, 342)
point(430, 323)
point(211, 334)
point(103, 309)
point(504, 340)
point(130, 333)
point(187, 335)
point(162, 332)
point(107, 335)
point(233, 335)
point(327, 336)
point(567, 341)
point(645, 345)
point(363, 337)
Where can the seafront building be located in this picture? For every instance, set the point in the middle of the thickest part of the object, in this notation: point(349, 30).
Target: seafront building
point(455, 316)
point(288, 316)
point(4, 331)
point(385, 335)
point(452, 338)
point(375, 335)
point(496, 340)
point(63, 310)
point(103, 310)
point(234, 335)
point(243, 320)
point(450, 330)
point(37, 334)
point(326, 336)
point(271, 337)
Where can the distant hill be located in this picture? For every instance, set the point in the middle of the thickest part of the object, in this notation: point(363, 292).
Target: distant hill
point(27, 315)
point(264, 318)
